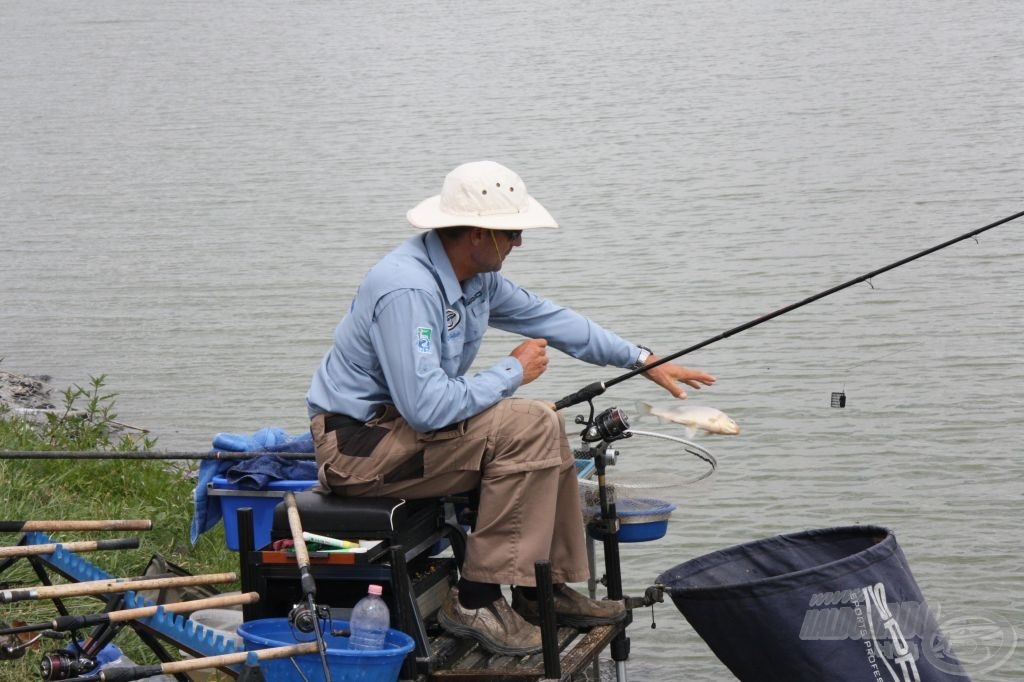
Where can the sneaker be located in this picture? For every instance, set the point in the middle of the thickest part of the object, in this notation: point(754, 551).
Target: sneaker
point(571, 608)
point(496, 626)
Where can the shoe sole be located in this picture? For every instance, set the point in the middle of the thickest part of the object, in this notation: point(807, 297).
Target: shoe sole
point(568, 620)
point(460, 630)
point(577, 622)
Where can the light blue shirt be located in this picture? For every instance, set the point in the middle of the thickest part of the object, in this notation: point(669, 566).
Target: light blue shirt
point(413, 331)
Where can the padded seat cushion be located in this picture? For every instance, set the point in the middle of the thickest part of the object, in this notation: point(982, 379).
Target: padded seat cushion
point(334, 515)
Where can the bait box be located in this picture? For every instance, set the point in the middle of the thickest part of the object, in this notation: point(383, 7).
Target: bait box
point(641, 519)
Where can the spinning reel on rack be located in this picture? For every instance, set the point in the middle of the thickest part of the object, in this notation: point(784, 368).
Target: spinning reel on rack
point(610, 425)
point(598, 433)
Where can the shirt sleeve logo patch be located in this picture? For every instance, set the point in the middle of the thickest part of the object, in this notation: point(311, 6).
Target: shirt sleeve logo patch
point(423, 339)
point(452, 318)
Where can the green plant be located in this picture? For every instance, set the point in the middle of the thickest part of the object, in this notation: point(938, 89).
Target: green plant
point(95, 489)
point(93, 427)
point(17, 433)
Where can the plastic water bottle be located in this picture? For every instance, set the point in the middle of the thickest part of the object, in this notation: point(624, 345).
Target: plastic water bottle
point(370, 621)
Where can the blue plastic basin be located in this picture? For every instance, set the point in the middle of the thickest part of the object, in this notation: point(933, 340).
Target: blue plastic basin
point(345, 664)
point(641, 519)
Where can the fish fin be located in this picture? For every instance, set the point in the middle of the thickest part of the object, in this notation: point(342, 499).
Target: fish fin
point(690, 432)
point(642, 409)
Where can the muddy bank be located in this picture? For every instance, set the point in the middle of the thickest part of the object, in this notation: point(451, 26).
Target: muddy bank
point(32, 397)
point(22, 393)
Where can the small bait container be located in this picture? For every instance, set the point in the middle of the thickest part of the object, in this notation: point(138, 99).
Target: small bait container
point(641, 519)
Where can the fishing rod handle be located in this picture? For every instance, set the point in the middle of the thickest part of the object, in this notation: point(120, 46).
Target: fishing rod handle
point(187, 665)
point(184, 606)
point(75, 524)
point(135, 672)
point(78, 622)
point(306, 582)
point(94, 587)
point(78, 546)
point(586, 393)
point(295, 524)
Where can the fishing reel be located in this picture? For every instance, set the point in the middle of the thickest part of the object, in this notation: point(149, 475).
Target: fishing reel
point(608, 426)
point(10, 647)
point(9, 652)
point(65, 664)
point(303, 619)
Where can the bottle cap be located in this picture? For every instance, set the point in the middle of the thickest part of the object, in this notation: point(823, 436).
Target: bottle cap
point(376, 590)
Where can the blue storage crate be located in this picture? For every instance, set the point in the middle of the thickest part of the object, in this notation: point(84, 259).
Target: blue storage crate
point(232, 498)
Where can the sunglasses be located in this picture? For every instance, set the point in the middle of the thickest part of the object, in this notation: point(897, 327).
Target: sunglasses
point(513, 235)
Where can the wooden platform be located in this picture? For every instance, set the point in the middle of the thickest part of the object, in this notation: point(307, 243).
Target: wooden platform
point(463, 660)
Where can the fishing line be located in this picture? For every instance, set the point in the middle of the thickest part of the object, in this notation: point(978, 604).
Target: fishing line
point(690, 447)
point(838, 399)
point(589, 488)
point(815, 370)
point(882, 357)
point(595, 389)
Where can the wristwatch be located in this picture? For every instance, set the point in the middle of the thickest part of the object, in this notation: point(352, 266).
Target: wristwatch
point(641, 360)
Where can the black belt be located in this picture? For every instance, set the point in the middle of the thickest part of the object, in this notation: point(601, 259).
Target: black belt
point(333, 422)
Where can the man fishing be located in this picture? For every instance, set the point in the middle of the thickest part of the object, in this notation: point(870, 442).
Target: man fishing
point(394, 412)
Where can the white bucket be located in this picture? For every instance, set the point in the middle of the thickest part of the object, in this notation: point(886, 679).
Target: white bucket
point(223, 622)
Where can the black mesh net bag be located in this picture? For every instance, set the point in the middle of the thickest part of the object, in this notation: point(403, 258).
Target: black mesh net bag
point(838, 604)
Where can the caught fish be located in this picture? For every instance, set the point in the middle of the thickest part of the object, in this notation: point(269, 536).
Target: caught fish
point(693, 417)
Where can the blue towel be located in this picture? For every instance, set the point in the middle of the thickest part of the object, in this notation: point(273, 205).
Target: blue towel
point(251, 474)
point(255, 474)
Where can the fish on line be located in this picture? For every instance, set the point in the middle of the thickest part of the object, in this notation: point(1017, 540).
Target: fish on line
point(694, 417)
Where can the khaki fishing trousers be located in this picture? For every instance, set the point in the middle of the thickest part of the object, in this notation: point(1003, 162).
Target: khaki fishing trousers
point(516, 452)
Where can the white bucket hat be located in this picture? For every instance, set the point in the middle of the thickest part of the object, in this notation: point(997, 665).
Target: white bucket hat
point(481, 194)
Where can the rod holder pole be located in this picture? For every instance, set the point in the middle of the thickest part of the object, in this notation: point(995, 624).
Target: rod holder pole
point(548, 624)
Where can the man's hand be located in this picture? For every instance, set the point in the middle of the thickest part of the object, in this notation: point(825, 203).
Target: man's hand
point(533, 356)
point(670, 375)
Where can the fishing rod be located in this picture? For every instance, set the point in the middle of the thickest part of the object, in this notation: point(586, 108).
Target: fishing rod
point(80, 622)
point(97, 454)
point(96, 587)
point(139, 672)
point(306, 617)
point(77, 546)
point(75, 524)
point(591, 391)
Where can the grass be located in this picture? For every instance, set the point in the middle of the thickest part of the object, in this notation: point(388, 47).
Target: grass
point(96, 489)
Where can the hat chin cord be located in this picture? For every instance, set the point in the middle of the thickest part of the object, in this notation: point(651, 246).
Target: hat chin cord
point(495, 242)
